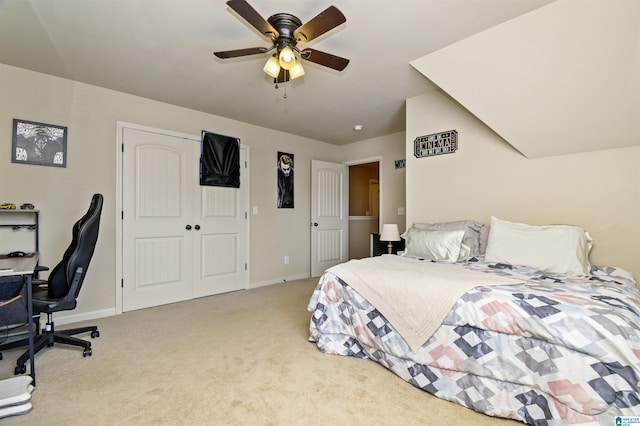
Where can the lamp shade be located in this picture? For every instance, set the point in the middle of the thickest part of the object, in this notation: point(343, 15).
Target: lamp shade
point(272, 67)
point(296, 70)
point(287, 58)
point(390, 232)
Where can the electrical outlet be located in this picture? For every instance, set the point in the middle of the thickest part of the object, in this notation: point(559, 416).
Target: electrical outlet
point(286, 260)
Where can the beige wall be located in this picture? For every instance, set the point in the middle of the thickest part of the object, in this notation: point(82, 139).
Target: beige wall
point(392, 181)
point(359, 180)
point(360, 230)
point(91, 114)
point(486, 176)
point(385, 150)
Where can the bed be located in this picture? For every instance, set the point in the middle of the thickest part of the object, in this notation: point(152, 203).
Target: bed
point(513, 322)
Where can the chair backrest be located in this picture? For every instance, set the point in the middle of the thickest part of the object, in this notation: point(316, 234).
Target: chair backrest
point(77, 255)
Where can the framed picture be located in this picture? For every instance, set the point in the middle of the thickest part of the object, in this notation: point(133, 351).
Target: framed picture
point(285, 180)
point(39, 143)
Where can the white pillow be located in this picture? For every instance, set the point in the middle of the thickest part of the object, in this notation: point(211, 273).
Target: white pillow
point(560, 249)
point(471, 230)
point(445, 246)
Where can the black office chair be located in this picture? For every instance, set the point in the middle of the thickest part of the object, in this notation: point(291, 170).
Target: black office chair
point(60, 291)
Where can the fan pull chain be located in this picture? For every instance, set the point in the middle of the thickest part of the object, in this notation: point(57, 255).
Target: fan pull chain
point(277, 87)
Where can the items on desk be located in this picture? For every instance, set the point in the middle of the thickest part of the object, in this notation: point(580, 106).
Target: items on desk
point(11, 206)
point(17, 254)
point(18, 227)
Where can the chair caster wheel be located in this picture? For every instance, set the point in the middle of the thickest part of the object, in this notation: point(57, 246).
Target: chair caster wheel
point(95, 334)
point(20, 369)
point(87, 352)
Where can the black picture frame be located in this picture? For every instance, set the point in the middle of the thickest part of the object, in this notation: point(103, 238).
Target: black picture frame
point(39, 144)
point(285, 180)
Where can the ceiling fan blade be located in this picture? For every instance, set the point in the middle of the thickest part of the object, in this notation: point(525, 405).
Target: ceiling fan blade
point(324, 59)
point(250, 15)
point(327, 20)
point(240, 52)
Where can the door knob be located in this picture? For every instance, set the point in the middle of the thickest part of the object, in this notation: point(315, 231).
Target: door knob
point(197, 227)
point(315, 223)
point(188, 227)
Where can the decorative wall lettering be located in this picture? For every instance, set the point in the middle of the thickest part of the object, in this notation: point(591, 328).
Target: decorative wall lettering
point(436, 144)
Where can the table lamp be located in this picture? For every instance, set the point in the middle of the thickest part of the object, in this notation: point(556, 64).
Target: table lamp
point(389, 233)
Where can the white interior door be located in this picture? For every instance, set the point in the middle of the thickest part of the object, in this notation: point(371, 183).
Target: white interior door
point(179, 240)
point(157, 205)
point(223, 237)
point(329, 215)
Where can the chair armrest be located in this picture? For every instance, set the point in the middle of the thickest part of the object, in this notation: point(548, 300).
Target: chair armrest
point(39, 284)
point(38, 269)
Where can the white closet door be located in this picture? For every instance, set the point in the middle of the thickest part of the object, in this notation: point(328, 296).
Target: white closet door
point(180, 240)
point(157, 207)
point(222, 240)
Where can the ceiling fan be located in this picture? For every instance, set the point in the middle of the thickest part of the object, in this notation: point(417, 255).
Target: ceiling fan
point(285, 31)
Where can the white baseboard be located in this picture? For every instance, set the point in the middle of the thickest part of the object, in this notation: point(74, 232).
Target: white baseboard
point(278, 281)
point(88, 316)
point(74, 318)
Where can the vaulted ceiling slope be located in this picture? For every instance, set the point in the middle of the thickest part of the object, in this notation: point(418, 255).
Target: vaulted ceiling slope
point(562, 79)
point(163, 50)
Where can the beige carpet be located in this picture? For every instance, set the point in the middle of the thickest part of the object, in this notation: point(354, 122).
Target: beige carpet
point(240, 358)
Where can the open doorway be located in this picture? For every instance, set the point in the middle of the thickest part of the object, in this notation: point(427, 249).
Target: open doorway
point(364, 207)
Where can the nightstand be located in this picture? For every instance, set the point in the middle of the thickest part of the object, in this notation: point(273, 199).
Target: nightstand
point(379, 248)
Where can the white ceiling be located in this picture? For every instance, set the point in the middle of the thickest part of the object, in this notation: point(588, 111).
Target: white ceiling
point(562, 79)
point(162, 50)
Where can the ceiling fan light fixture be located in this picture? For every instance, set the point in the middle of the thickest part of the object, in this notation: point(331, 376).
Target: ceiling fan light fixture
point(272, 67)
point(286, 31)
point(296, 70)
point(287, 58)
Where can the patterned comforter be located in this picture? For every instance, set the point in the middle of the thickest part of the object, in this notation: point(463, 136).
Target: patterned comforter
point(555, 350)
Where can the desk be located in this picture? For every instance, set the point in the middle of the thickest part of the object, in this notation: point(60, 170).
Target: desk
point(24, 266)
